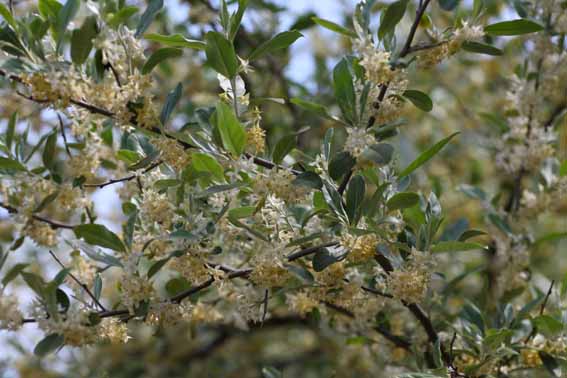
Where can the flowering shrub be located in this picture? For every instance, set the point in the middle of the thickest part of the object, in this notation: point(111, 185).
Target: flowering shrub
point(248, 244)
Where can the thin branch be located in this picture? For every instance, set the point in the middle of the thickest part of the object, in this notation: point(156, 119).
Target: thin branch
point(81, 284)
point(52, 223)
point(64, 136)
point(418, 15)
point(310, 250)
point(127, 178)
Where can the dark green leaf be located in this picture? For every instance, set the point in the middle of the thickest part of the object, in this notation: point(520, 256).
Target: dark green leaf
point(122, 16)
point(65, 16)
point(334, 27)
point(280, 41)
point(448, 5)
point(323, 259)
point(13, 273)
point(176, 40)
point(379, 153)
point(6, 163)
point(11, 130)
point(355, 197)
point(550, 364)
point(427, 155)
point(236, 19)
point(150, 13)
point(5, 13)
point(283, 147)
point(231, 131)
point(344, 90)
point(481, 48)
point(97, 234)
point(48, 345)
point(50, 150)
point(221, 55)
point(419, 99)
point(514, 27)
point(309, 180)
point(206, 163)
point(402, 200)
point(172, 100)
point(455, 246)
point(82, 40)
point(159, 56)
point(394, 14)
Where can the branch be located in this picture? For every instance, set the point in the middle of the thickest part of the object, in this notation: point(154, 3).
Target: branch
point(52, 223)
point(418, 15)
point(127, 178)
point(74, 278)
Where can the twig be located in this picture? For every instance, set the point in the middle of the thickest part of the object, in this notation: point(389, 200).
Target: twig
point(52, 223)
point(265, 303)
point(127, 178)
point(418, 15)
point(64, 136)
point(81, 284)
point(310, 250)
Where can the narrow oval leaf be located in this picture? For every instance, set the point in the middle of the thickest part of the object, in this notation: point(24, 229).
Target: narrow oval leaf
point(97, 234)
point(426, 156)
point(82, 40)
point(394, 14)
point(172, 99)
point(278, 42)
point(514, 27)
point(402, 200)
point(455, 246)
point(334, 27)
point(206, 163)
point(48, 345)
point(344, 90)
point(6, 163)
point(150, 13)
point(481, 48)
point(231, 131)
point(176, 40)
point(5, 13)
point(283, 147)
point(159, 56)
point(419, 99)
point(221, 55)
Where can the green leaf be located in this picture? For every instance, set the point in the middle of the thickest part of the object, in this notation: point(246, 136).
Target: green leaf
point(159, 56)
point(309, 180)
point(49, 344)
point(221, 55)
point(280, 41)
point(172, 100)
point(419, 99)
point(176, 286)
point(334, 27)
point(122, 16)
point(6, 163)
point(231, 131)
point(283, 147)
point(310, 106)
point(176, 40)
point(97, 234)
point(551, 237)
point(448, 5)
point(344, 90)
point(563, 169)
point(323, 259)
point(548, 325)
point(150, 13)
point(236, 19)
point(455, 246)
point(402, 200)
point(13, 273)
point(550, 364)
point(355, 197)
point(514, 27)
point(206, 163)
point(426, 155)
point(394, 14)
point(82, 40)
point(50, 151)
point(65, 16)
point(341, 164)
point(481, 48)
point(5, 13)
point(380, 153)
point(49, 9)
point(11, 130)
point(242, 212)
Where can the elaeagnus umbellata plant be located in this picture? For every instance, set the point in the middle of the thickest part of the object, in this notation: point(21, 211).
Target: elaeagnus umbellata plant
point(177, 203)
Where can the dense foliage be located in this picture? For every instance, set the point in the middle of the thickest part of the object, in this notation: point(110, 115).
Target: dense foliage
point(178, 204)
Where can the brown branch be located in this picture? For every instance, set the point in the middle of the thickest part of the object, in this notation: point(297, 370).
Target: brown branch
point(310, 250)
point(127, 178)
point(62, 126)
point(52, 223)
point(81, 284)
point(418, 15)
